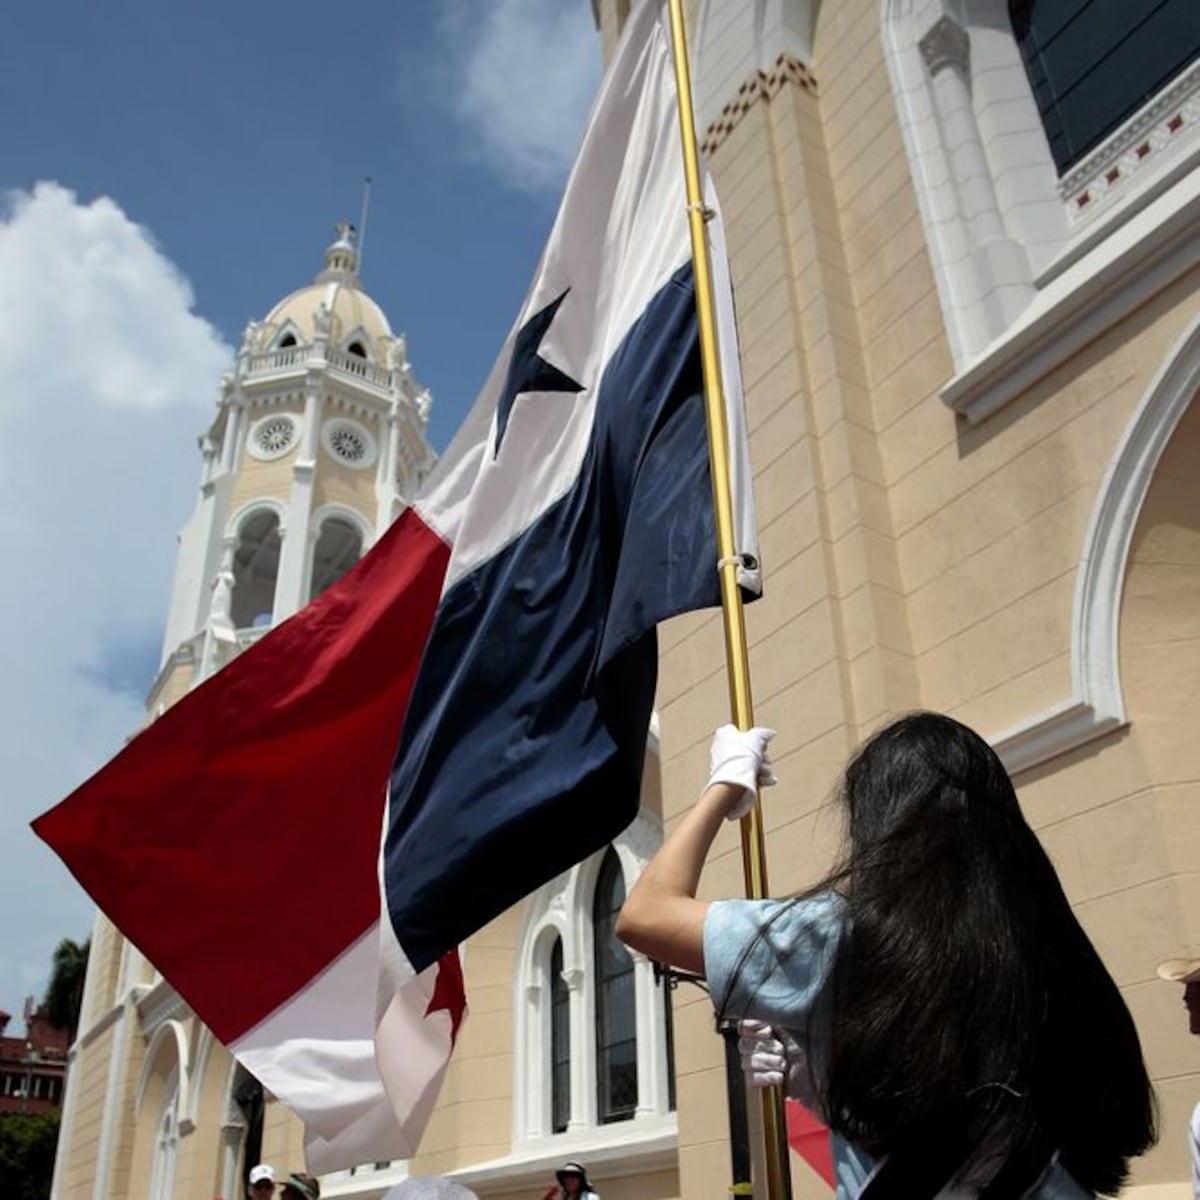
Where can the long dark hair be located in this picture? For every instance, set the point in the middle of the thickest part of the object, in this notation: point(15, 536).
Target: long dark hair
point(975, 1030)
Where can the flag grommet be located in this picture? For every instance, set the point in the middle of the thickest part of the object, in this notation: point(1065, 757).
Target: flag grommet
point(746, 561)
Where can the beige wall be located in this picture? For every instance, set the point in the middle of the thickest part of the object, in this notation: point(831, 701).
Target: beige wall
point(913, 560)
point(89, 1072)
point(1121, 819)
point(255, 479)
point(334, 482)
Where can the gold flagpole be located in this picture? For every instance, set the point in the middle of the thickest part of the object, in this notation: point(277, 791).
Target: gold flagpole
point(754, 858)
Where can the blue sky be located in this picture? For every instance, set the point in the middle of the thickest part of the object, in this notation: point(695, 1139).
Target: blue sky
point(166, 173)
point(238, 133)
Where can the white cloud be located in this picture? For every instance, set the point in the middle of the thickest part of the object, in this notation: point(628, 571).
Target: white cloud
point(519, 77)
point(108, 378)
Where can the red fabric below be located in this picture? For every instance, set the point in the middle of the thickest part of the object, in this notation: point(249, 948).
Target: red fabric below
point(235, 840)
point(809, 1137)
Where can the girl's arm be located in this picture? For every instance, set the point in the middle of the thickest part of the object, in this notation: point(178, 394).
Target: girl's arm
point(661, 916)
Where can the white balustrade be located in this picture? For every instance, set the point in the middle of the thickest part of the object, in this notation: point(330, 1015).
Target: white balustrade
point(295, 358)
point(360, 367)
point(274, 361)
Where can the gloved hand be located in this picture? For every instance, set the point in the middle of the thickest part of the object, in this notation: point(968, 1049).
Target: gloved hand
point(764, 1057)
point(771, 1057)
point(740, 757)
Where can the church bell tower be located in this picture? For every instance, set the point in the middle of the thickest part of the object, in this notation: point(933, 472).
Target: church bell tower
point(318, 443)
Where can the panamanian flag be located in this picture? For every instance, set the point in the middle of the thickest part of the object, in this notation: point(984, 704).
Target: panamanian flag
point(479, 687)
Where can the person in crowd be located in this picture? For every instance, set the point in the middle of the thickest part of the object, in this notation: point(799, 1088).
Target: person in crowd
point(260, 1183)
point(299, 1187)
point(572, 1184)
point(948, 1017)
point(1187, 972)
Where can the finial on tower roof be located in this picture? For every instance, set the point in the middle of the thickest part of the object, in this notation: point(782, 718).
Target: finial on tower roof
point(341, 259)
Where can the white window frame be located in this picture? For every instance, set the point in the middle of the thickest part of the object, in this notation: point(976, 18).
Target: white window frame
point(165, 1155)
point(333, 512)
point(1026, 276)
point(562, 909)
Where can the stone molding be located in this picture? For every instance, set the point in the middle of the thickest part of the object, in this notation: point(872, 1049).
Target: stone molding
point(1170, 122)
point(1097, 706)
point(761, 86)
point(946, 45)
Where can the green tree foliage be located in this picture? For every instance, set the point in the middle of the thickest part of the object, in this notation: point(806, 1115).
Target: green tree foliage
point(64, 993)
point(27, 1146)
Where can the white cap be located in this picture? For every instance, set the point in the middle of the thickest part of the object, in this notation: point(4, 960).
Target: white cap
point(1180, 970)
point(261, 1172)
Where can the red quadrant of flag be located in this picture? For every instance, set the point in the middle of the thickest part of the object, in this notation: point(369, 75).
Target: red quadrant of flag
point(254, 772)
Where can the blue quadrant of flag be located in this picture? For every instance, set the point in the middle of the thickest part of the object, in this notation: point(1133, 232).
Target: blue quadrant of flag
point(523, 748)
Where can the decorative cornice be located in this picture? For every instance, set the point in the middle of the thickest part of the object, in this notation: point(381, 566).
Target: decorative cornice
point(161, 1003)
point(108, 1019)
point(1156, 247)
point(761, 86)
point(1170, 120)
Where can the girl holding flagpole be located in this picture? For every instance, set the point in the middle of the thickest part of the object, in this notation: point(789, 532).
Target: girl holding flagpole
point(933, 997)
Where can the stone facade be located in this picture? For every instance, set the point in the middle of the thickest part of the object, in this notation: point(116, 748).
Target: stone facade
point(1000, 525)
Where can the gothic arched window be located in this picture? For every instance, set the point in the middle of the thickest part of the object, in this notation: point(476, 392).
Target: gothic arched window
point(1092, 65)
point(339, 546)
point(616, 1016)
point(255, 568)
point(560, 1042)
point(166, 1146)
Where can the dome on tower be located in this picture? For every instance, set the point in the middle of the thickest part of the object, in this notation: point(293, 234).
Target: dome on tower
point(335, 296)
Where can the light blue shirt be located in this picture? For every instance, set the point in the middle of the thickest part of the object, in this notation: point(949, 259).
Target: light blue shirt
point(773, 961)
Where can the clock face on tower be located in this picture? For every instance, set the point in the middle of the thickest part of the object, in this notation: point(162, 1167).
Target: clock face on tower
point(273, 436)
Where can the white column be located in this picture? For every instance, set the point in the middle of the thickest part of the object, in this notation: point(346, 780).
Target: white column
point(651, 1050)
point(946, 49)
point(999, 267)
point(291, 584)
point(533, 1092)
point(583, 1052)
point(233, 431)
point(385, 478)
point(233, 1130)
point(114, 1088)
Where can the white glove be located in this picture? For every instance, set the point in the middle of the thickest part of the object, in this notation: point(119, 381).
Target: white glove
point(740, 757)
point(771, 1057)
point(764, 1057)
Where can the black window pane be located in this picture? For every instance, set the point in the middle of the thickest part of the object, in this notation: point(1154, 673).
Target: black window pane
point(560, 1042)
point(616, 1014)
point(618, 1003)
point(669, 1029)
point(618, 1083)
point(1093, 63)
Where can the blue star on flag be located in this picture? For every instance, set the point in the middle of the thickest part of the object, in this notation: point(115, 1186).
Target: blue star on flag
point(528, 371)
